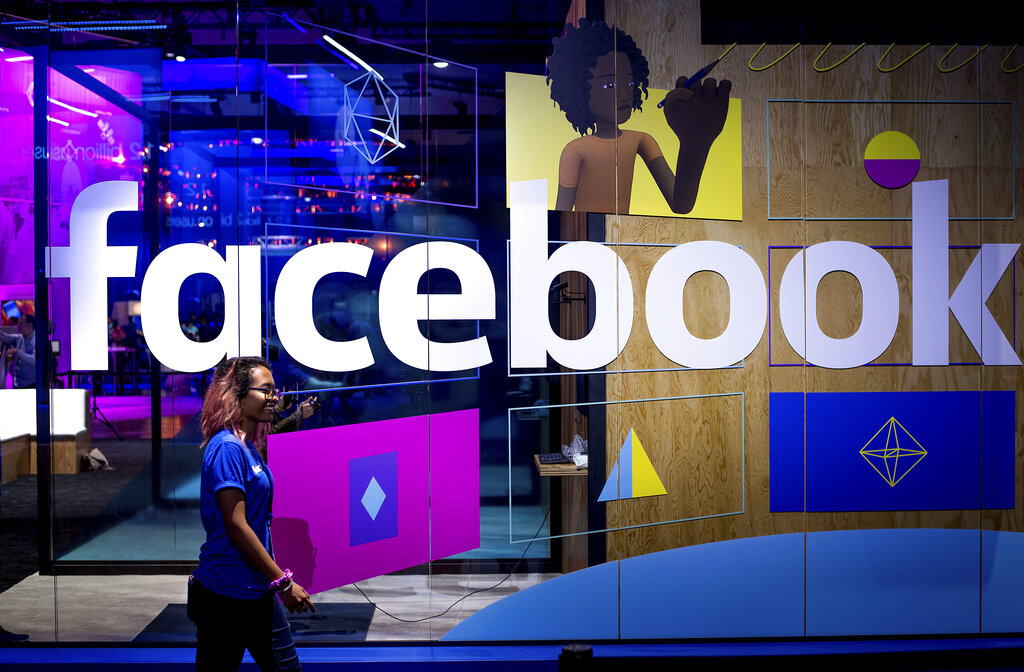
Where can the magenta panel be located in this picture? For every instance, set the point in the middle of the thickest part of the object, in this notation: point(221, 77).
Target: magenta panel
point(438, 495)
point(454, 482)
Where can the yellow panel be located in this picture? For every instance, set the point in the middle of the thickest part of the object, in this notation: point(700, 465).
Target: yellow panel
point(536, 133)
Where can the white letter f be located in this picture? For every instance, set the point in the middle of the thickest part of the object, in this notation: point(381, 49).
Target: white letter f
point(87, 261)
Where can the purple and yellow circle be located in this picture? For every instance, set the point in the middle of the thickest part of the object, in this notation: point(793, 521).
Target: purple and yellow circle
point(892, 159)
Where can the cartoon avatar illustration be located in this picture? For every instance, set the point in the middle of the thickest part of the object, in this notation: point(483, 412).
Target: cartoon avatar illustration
point(598, 76)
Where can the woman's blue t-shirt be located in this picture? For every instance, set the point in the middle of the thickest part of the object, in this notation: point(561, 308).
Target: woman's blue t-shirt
point(229, 463)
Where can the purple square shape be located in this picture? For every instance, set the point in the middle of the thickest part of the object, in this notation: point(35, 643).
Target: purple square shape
point(362, 527)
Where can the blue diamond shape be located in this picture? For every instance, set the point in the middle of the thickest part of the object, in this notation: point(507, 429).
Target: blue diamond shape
point(373, 498)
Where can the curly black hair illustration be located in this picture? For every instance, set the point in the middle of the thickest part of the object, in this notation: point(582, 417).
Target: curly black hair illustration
point(575, 53)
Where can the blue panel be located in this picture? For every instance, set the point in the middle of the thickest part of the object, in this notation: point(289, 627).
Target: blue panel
point(997, 449)
point(1002, 581)
point(786, 451)
point(578, 605)
point(742, 588)
point(892, 582)
point(945, 425)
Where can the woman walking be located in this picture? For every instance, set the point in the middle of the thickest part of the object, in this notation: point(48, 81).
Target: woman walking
point(233, 597)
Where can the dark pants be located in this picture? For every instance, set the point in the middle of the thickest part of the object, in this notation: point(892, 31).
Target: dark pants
point(227, 626)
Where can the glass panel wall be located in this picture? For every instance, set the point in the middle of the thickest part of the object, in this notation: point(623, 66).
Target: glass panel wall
point(508, 353)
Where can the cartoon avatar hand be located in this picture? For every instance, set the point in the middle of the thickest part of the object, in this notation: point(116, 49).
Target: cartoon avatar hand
point(697, 115)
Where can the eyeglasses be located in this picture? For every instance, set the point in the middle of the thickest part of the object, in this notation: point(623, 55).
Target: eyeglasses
point(268, 392)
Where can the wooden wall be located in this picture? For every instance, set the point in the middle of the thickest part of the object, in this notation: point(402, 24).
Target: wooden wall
point(712, 452)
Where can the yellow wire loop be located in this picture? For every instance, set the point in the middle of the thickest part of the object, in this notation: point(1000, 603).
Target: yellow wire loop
point(969, 59)
point(750, 63)
point(901, 63)
point(727, 51)
point(837, 63)
point(1002, 66)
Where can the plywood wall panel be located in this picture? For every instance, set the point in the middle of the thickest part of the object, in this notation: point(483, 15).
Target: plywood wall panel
point(920, 78)
point(807, 158)
point(672, 41)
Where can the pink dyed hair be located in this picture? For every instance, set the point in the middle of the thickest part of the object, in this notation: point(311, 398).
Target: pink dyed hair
point(222, 403)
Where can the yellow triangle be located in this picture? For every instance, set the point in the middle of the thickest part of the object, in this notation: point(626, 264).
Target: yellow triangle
point(645, 479)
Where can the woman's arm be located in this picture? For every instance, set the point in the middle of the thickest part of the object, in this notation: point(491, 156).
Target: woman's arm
point(568, 174)
point(663, 177)
point(231, 502)
point(566, 198)
point(686, 182)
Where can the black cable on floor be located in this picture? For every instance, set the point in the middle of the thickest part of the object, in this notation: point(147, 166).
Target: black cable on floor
point(479, 590)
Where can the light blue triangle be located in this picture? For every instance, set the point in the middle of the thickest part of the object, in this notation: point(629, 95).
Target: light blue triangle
point(611, 489)
point(626, 470)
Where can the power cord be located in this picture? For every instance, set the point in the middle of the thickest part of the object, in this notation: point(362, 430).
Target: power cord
point(479, 590)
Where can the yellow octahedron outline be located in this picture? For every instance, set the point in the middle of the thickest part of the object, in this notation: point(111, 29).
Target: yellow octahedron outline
point(897, 452)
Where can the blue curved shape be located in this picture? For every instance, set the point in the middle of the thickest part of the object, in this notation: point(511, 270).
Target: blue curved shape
point(1002, 594)
point(739, 588)
point(850, 582)
point(894, 582)
point(579, 605)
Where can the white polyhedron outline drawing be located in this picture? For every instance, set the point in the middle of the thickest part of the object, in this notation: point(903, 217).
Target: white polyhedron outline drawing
point(353, 131)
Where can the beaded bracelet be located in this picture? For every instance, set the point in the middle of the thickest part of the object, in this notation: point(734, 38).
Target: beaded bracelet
point(282, 583)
